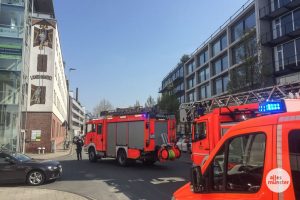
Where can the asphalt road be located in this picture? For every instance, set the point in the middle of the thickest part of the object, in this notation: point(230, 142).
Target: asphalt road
point(106, 180)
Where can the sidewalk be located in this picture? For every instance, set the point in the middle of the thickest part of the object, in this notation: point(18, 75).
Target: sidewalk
point(59, 152)
point(26, 193)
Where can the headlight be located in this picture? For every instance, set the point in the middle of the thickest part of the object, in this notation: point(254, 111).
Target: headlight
point(51, 168)
point(173, 198)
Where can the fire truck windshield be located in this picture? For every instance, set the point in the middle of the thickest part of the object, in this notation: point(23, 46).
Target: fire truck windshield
point(200, 131)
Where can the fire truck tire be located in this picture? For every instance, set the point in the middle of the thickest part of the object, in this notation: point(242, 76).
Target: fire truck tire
point(122, 157)
point(92, 155)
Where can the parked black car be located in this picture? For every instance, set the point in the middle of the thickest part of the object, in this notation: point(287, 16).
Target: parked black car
point(17, 167)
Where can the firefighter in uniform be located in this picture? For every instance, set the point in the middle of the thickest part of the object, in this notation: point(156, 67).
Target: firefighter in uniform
point(79, 144)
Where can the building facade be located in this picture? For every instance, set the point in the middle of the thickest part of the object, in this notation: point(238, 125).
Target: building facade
point(173, 83)
point(46, 116)
point(267, 31)
point(14, 64)
point(77, 115)
point(207, 73)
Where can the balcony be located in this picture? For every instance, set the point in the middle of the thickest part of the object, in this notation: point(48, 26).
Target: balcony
point(13, 2)
point(270, 11)
point(281, 35)
point(11, 31)
point(178, 91)
point(167, 87)
point(288, 65)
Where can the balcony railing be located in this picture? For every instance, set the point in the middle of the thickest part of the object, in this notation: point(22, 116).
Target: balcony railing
point(11, 31)
point(13, 2)
point(271, 11)
point(282, 34)
point(290, 63)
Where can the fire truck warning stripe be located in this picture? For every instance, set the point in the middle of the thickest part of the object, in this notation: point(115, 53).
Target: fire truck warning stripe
point(279, 154)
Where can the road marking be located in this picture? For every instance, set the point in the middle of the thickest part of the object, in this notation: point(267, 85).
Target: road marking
point(166, 180)
point(136, 180)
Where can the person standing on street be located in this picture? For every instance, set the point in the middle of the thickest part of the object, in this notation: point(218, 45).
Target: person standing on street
point(79, 144)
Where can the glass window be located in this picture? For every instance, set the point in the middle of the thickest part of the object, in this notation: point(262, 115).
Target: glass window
point(289, 53)
point(90, 128)
point(203, 56)
point(224, 42)
point(287, 24)
point(99, 129)
point(237, 31)
point(217, 67)
point(297, 19)
point(246, 155)
point(250, 22)
point(200, 131)
point(224, 63)
point(217, 171)
point(207, 73)
point(298, 49)
point(294, 151)
point(219, 88)
point(238, 54)
point(216, 48)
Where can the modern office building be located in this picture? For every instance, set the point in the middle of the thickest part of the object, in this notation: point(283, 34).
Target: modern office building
point(46, 116)
point(77, 115)
point(279, 28)
point(207, 73)
point(267, 31)
point(14, 64)
point(173, 83)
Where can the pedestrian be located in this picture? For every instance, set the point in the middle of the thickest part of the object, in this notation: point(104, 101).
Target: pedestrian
point(79, 144)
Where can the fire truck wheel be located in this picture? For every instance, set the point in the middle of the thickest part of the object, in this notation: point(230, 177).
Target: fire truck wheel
point(122, 157)
point(92, 155)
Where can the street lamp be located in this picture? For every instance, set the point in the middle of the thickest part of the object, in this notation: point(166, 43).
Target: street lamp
point(70, 69)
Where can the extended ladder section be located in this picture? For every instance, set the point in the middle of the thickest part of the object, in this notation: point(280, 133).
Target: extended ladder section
point(147, 112)
point(188, 111)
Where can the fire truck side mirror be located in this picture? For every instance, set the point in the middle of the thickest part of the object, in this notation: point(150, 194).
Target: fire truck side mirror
point(197, 181)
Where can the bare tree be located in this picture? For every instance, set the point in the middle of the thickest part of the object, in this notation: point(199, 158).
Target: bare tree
point(103, 105)
point(137, 104)
point(150, 103)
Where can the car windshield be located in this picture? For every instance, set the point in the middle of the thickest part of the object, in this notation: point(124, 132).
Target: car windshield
point(20, 157)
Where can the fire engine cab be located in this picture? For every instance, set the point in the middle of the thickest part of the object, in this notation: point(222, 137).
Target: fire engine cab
point(256, 159)
point(130, 135)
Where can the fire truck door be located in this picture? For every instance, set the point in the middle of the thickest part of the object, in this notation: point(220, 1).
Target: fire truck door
point(99, 138)
point(200, 145)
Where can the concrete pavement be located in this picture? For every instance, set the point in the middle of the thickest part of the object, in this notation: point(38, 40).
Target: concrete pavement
point(26, 192)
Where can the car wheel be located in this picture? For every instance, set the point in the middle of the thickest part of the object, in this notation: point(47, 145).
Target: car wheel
point(35, 177)
point(122, 158)
point(92, 155)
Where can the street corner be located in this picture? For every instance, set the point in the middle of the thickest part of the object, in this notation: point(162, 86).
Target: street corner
point(24, 193)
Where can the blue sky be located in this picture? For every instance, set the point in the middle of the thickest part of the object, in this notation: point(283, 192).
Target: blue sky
point(123, 49)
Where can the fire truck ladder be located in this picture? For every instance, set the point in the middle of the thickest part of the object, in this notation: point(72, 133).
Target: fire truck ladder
point(188, 110)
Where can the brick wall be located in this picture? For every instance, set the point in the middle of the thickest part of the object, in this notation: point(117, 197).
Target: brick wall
point(51, 131)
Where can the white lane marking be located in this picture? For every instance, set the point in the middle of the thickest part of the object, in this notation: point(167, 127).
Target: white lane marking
point(166, 180)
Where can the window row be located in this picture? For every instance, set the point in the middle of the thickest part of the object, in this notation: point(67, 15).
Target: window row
point(219, 86)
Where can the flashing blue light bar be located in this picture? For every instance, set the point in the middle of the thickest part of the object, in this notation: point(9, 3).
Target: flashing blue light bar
point(272, 107)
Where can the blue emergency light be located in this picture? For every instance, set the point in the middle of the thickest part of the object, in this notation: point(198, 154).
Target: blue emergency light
point(272, 107)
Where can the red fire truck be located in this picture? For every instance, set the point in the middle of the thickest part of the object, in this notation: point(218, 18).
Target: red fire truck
point(129, 135)
point(213, 117)
point(257, 159)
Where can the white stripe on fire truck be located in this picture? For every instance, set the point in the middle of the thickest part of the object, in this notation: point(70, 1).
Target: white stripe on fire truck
point(279, 154)
point(289, 118)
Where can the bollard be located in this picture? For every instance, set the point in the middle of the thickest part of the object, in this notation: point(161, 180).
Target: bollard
point(43, 148)
point(39, 150)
